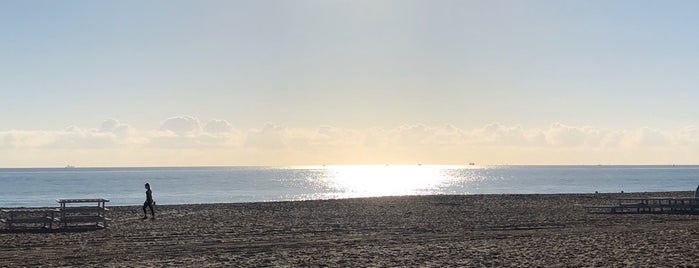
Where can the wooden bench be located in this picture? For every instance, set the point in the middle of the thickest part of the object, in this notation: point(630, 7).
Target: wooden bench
point(649, 205)
point(29, 217)
point(76, 213)
point(617, 209)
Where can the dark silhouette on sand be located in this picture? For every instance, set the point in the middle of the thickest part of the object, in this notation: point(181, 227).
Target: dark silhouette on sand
point(149, 203)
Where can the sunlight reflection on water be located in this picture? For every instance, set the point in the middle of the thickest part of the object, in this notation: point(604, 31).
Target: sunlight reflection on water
point(388, 180)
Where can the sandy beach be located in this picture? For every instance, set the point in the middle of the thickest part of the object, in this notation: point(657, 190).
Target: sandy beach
point(414, 231)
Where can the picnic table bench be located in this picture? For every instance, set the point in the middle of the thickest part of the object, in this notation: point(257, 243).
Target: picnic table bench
point(648, 205)
point(29, 217)
point(78, 213)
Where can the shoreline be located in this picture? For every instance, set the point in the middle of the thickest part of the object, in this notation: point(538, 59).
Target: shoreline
point(614, 194)
point(660, 193)
point(510, 230)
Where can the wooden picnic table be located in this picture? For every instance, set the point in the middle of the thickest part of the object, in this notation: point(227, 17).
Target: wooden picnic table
point(649, 205)
point(661, 201)
point(78, 213)
point(29, 217)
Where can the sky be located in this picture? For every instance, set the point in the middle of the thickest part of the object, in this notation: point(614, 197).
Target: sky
point(309, 82)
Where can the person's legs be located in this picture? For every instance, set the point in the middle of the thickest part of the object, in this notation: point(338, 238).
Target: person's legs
point(152, 212)
point(144, 210)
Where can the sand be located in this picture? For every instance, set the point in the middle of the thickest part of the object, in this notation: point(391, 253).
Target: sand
point(415, 231)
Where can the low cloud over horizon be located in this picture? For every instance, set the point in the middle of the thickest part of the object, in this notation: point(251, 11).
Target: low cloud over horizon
point(187, 141)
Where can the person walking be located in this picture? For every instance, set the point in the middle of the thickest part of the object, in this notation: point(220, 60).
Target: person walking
point(149, 203)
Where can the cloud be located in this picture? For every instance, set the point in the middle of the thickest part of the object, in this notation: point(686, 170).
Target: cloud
point(329, 136)
point(411, 135)
point(26, 138)
point(573, 136)
point(418, 135)
point(447, 135)
point(181, 125)
point(218, 126)
point(111, 134)
point(116, 127)
point(648, 137)
point(186, 132)
point(184, 139)
point(688, 136)
point(74, 137)
point(497, 134)
point(269, 137)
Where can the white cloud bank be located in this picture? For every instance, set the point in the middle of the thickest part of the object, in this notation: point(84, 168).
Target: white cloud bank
point(185, 140)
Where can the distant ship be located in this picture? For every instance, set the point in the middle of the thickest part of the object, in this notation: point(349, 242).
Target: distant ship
point(471, 164)
point(70, 166)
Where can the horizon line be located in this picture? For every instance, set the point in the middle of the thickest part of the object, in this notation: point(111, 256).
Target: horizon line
point(472, 165)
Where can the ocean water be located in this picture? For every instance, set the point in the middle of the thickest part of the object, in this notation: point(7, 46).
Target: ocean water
point(187, 185)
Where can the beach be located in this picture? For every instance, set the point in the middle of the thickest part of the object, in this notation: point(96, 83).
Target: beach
point(551, 230)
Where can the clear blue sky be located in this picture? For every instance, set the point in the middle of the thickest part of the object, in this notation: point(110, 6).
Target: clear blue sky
point(613, 66)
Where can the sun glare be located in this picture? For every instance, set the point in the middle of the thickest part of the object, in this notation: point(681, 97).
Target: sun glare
point(365, 181)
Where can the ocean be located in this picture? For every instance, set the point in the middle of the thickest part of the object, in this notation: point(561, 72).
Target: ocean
point(189, 185)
